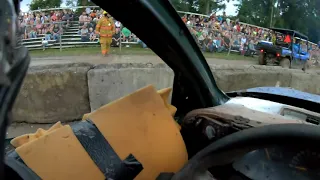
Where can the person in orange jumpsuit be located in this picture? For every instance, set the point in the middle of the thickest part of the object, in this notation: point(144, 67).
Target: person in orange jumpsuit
point(105, 28)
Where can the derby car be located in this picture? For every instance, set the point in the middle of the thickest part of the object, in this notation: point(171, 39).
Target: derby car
point(202, 133)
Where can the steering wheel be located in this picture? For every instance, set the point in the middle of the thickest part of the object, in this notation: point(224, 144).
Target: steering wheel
point(224, 151)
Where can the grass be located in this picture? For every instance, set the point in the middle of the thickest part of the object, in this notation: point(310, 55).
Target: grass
point(124, 51)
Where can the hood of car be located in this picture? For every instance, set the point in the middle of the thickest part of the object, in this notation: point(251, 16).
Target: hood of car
point(282, 95)
point(288, 92)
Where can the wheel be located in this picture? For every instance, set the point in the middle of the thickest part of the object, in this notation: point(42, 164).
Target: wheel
point(262, 60)
point(285, 63)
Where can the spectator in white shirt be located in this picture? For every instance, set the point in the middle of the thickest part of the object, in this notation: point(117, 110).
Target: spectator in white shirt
point(117, 25)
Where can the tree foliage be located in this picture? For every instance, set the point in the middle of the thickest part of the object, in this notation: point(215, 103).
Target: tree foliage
point(300, 15)
point(72, 3)
point(44, 4)
point(199, 6)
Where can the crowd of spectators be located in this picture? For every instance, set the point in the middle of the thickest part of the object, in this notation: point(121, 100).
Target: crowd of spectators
point(87, 24)
point(219, 33)
point(51, 23)
point(212, 34)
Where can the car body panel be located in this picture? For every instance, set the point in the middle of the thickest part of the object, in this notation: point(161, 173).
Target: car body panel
point(289, 92)
point(288, 112)
point(286, 52)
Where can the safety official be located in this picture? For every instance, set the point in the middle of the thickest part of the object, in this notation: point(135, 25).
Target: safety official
point(105, 28)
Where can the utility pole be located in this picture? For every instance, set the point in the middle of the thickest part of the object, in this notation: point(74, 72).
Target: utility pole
point(271, 15)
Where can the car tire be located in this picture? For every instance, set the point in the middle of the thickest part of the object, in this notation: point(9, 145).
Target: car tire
point(285, 63)
point(262, 59)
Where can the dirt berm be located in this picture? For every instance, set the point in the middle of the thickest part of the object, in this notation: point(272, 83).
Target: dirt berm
point(67, 91)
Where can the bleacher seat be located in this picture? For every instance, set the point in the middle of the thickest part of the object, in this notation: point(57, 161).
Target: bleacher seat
point(70, 38)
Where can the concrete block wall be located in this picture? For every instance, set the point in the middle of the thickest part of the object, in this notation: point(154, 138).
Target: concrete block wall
point(65, 92)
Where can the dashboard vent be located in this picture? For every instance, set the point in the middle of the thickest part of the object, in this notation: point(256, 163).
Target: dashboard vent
point(313, 119)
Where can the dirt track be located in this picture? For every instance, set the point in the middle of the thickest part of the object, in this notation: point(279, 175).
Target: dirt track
point(124, 59)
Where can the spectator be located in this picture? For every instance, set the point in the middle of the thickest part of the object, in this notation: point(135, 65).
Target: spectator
point(48, 34)
point(82, 19)
point(93, 14)
point(38, 25)
point(32, 20)
point(54, 17)
point(92, 34)
point(43, 17)
point(56, 32)
point(226, 40)
point(220, 19)
point(224, 26)
point(84, 34)
point(126, 34)
point(243, 44)
point(184, 18)
point(218, 43)
point(243, 40)
point(224, 15)
point(116, 38)
point(208, 44)
point(117, 24)
point(201, 37)
point(71, 15)
point(251, 50)
point(33, 32)
point(228, 22)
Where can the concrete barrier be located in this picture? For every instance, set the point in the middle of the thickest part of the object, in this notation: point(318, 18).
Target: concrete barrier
point(109, 82)
point(53, 93)
point(66, 92)
point(306, 82)
point(231, 78)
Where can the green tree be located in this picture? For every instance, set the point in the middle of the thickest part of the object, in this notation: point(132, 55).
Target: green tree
point(71, 3)
point(300, 15)
point(199, 6)
point(255, 12)
point(44, 4)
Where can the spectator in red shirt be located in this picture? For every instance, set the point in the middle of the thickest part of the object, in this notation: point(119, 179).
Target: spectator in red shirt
point(238, 27)
point(184, 19)
point(53, 17)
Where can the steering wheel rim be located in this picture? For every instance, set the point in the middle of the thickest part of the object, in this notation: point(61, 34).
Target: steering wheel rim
point(227, 149)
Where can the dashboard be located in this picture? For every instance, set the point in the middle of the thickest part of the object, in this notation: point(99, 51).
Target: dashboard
point(270, 107)
point(279, 163)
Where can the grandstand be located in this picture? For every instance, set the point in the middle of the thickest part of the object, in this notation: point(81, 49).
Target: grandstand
point(69, 39)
